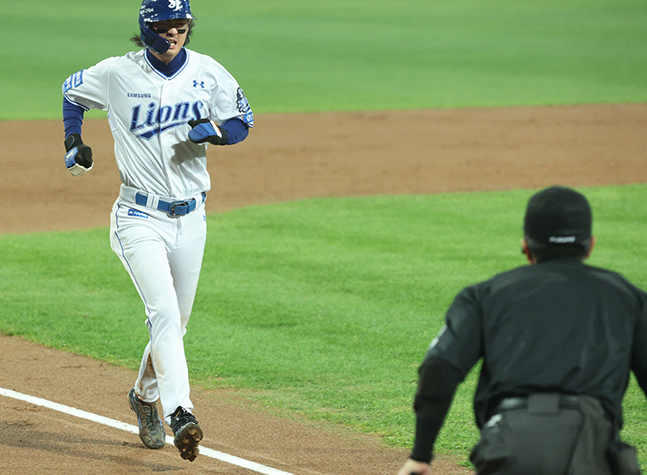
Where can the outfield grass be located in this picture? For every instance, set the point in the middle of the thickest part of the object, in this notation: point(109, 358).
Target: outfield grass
point(323, 307)
point(295, 56)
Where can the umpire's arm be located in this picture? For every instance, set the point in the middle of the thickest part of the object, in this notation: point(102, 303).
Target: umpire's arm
point(436, 387)
point(449, 358)
point(639, 351)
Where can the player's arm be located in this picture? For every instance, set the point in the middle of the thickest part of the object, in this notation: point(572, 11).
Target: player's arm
point(229, 106)
point(78, 156)
point(229, 132)
point(236, 129)
point(84, 90)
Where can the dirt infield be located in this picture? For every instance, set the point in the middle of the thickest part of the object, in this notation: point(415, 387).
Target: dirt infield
point(286, 157)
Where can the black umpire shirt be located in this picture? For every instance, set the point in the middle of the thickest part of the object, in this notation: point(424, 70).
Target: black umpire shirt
point(558, 326)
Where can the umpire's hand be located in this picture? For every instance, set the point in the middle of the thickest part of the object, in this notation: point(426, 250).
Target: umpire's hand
point(412, 467)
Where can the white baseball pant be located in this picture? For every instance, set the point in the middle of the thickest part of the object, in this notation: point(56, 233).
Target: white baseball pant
point(163, 256)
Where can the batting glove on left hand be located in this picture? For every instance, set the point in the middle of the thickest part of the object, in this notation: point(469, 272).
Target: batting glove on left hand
point(78, 158)
point(205, 130)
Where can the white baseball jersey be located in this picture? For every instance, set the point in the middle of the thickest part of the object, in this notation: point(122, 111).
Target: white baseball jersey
point(148, 114)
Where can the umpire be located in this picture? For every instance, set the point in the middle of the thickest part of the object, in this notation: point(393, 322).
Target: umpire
point(557, 339)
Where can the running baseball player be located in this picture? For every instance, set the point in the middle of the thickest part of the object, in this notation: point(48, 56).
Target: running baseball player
point(165, 104)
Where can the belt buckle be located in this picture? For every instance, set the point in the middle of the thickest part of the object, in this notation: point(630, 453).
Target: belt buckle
point(178, 203)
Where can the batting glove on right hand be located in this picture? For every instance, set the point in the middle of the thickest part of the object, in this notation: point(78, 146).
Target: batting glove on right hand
point(78, 158)
point(205, 130)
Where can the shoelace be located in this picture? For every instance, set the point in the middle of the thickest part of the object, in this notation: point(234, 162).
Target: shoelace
point(147, 410)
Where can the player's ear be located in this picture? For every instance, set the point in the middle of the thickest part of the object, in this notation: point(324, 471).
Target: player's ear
point(525, 250)
point(588, 254)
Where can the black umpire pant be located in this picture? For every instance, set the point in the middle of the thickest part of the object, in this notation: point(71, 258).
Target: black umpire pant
point(546, 434)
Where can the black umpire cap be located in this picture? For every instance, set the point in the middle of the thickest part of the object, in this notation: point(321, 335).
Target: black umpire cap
point(558, 217)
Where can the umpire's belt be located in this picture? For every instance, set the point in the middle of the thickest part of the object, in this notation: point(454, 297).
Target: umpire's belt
point(168, 205)
point(541, 403)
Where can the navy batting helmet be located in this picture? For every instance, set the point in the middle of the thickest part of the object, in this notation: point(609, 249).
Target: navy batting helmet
point(153, 11)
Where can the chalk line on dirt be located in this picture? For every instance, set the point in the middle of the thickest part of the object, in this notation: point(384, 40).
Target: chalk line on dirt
point(204, 451)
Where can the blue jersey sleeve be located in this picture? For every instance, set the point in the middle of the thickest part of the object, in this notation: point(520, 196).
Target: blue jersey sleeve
point(72, 118)
point(236, 129)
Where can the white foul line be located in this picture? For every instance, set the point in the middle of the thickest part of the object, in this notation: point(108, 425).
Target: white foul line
point(231, 459)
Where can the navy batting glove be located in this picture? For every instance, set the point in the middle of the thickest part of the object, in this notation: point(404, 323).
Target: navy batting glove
point(205, 130)
point(78, 158)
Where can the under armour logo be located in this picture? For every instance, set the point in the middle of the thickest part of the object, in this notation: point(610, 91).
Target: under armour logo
point(175, 5)
point(198, 83)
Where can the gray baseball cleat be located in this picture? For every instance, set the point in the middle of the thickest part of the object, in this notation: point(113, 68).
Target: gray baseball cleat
point(151, 428)
point(187, 433)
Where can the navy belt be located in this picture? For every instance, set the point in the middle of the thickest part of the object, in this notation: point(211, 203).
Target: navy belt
point(173, 208)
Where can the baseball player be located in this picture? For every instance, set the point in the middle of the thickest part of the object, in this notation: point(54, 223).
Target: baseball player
point(165, 104)
point(557, 340)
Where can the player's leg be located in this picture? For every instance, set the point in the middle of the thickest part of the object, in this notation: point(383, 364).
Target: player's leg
point(146, 383)
point(186, 261)
point(142, 247)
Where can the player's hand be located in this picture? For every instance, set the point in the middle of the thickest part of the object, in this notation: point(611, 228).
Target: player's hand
point(411, 467)
point(78, 158)
point(205, 130)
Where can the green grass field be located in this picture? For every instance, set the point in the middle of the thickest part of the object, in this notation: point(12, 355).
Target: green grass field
point(295, 56)
point(322, 307)
point(348, 292)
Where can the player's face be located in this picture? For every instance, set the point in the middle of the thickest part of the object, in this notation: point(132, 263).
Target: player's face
point(175, 31)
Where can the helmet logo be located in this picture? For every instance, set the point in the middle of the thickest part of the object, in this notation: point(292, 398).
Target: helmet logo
point(175, 5)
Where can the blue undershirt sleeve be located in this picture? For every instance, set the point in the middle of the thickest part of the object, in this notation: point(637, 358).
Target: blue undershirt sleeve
point(236, 129)
point(72, 118)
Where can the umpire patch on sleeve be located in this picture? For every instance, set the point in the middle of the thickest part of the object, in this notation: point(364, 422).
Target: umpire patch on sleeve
point(242, 104)
point(75, 80)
